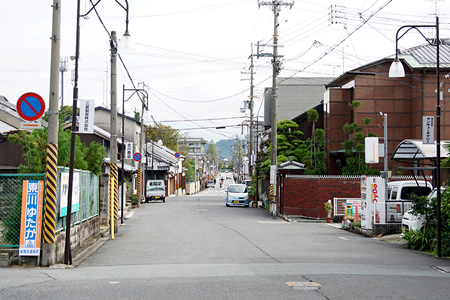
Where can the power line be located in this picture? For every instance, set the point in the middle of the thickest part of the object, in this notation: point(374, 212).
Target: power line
point(210, 119)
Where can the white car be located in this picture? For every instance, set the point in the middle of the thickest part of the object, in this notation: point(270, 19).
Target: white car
point(416, 222)
point(237, 195)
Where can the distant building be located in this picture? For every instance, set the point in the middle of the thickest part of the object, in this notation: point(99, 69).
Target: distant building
point(195, 147)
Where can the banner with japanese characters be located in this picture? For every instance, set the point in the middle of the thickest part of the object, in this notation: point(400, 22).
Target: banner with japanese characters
point(64, 193)
point(128, 150)
point(86, 120)
point(30, 228)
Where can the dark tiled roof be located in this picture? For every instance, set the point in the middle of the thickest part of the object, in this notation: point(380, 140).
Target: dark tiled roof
point(426, 55)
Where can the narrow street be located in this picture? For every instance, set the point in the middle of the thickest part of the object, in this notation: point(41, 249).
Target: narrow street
point(194, 247)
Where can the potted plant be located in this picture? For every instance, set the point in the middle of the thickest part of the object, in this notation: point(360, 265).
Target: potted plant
point(328, 209)
point(134, 200)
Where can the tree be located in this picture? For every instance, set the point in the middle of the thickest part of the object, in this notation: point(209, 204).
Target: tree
point(354, 151)
point(168, 135)
point(288, 144)
point(35, 150)
point(189, 165)
point(212, 152)
point(366, 122)
point(318, 166)
point(312, 116)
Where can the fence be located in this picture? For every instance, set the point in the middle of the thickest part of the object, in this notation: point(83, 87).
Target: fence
point(11, 202)
point(88, 189)
point(11, 206)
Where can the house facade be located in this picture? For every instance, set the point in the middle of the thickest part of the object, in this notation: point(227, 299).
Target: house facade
point(404, 100)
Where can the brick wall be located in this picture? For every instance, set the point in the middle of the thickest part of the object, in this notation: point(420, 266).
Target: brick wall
point(306, 196)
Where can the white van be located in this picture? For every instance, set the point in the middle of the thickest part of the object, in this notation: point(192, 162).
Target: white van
point(399, 200)
point(156, 190)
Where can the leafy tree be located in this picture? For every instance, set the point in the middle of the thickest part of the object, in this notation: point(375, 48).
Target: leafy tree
point(318, 166)
point(94, 157)
point(212, 152)
point(35, 150)
point(312, 116)
point(288, 144)
point(366, 122)
point(189, 165)
point(168, 135)
point(355, 152)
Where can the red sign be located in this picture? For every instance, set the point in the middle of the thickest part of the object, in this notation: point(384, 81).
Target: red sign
point(137, 156)
point(30, 106)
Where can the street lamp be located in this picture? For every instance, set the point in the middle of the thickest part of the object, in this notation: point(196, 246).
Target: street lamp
point(67, 249)
point(396, 70)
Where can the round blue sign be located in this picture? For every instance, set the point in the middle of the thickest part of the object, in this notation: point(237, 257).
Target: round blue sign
point(177, 154)
point(137, 156)
point(30, 106)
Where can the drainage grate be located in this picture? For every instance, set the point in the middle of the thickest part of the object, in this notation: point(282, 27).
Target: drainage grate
point(306, 285)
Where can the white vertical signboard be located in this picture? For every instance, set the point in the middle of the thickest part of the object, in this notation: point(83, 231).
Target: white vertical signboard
point(64, 193)
point(128, 150)
point(371, 150)
point(86, 120)
point(373, 208)
point(428, 129)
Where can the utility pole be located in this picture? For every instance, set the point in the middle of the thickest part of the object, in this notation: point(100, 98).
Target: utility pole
point(276, 68)
point(113, 139)
point(49, 246)
point(250, 165)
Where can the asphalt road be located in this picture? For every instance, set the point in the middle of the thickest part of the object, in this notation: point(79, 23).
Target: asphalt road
point(195, 247)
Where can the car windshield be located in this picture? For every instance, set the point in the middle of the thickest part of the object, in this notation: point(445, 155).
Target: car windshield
point(156, 188)
point(237, 189)
point(434, 193)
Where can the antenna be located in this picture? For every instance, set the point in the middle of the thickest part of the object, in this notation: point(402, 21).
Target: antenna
point(435, 5)
point(62, 69)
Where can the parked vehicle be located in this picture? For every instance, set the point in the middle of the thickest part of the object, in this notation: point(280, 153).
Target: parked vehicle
point(399, 200)
point(416, 222)
point(156, 190)
point(210, 184)
point(237, 195)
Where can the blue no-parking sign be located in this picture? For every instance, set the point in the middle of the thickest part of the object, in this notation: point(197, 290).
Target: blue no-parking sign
point(137, 156)
point(30, 106)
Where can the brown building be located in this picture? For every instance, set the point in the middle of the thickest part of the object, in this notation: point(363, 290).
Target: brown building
point(404, 100)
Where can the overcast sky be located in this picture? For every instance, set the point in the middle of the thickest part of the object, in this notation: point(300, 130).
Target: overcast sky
point(193, 55)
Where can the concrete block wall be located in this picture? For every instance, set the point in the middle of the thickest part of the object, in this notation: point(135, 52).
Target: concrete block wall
point(306, 196)
point(79, 235)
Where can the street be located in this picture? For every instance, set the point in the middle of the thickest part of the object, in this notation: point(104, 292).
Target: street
point(194, 247)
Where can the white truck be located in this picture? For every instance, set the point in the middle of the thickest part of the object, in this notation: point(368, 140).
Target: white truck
point(156, 190)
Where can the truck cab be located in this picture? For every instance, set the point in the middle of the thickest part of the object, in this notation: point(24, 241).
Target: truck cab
point(156, 190)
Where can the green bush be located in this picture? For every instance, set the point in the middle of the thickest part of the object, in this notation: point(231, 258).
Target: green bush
point(134, 199)
point(426, 239)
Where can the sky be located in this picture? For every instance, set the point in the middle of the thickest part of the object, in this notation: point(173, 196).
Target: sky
point(193, 57)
